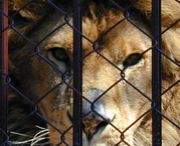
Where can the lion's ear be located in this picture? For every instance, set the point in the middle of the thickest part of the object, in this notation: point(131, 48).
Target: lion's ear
point(170, 10)
point(171, 47)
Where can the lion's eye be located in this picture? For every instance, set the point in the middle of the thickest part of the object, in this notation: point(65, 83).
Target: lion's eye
point(60, 54)
point(18, 18)
point(59, 57)
point(132, 59)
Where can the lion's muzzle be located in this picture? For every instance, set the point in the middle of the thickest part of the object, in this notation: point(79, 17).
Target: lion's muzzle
point(94, 113)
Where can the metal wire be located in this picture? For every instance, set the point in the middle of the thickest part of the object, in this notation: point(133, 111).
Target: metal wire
point(75, 87)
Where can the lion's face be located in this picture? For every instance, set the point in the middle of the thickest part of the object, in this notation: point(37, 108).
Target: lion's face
point(115, 66)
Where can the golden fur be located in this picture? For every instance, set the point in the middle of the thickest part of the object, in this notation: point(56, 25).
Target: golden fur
point(123, 104)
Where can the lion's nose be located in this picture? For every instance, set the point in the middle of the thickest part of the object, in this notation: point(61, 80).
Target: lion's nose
point(94, 113)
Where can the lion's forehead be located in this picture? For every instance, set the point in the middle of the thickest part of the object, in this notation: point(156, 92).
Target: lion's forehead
point(63, 37)
point(116, 42)
point(60, 33)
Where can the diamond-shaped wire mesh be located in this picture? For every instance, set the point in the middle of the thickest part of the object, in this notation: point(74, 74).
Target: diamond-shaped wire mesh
point(117, 72)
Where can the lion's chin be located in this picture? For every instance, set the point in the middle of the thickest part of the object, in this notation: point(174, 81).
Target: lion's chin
point(104, 142)
point(103, 137)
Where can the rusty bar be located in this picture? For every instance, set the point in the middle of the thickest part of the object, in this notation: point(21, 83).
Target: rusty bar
point(156, 74)
point(77, 74)
point(3, 70)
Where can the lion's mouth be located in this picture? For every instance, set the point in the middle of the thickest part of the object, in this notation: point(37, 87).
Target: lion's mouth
point(93, 125)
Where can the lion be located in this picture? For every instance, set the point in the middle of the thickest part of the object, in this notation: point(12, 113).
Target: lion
point(116, 69)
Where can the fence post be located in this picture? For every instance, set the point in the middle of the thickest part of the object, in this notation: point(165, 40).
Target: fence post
point(156, 73)
point(77, 73)
point(3, 70)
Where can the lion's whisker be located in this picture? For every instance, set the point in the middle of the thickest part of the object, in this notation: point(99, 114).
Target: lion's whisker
point(20, 134)
point(38, 140)
point(40, 127)
point(41, 135)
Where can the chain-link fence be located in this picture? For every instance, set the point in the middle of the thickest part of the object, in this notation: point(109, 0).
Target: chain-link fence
point(91, 73)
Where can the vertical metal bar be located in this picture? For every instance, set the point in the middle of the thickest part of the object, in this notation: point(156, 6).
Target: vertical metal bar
point(156, 73)
point(77, 74)
point(3, 69)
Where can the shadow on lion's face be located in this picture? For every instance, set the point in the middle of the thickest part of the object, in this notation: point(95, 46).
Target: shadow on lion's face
point(116, 77)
